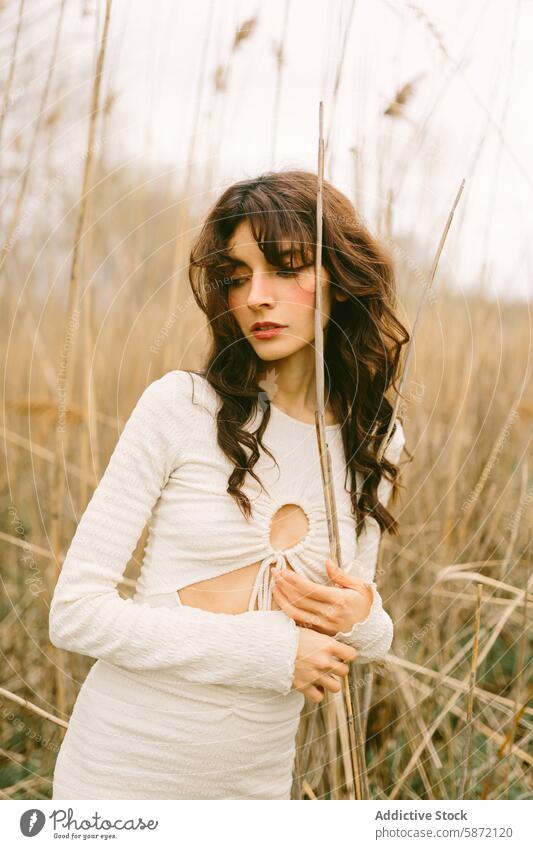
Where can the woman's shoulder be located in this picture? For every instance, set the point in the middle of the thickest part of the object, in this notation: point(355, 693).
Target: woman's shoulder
point(184, 391)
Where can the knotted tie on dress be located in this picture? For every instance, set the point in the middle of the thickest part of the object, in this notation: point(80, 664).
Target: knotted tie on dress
point(264, 581)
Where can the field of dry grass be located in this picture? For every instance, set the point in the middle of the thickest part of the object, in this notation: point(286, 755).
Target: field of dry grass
point(95, 304)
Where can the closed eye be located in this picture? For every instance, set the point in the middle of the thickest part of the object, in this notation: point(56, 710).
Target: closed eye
point(281, 272)
point(286, 272)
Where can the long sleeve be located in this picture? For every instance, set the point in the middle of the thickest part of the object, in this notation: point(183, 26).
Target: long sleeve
point(87, 614)
point(373, 636)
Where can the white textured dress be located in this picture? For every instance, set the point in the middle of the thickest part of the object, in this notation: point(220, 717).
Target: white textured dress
point(184, 703)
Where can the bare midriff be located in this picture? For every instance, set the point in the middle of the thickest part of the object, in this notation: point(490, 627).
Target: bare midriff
point(231, 592)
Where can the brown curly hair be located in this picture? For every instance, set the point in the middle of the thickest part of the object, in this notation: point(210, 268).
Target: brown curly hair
point(363, 338)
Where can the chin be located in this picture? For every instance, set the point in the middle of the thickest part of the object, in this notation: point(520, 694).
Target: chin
point(272, 355)
point(278, 348)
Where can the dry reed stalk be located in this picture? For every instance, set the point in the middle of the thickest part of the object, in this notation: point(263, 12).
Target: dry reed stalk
point(338, 77)
point(472, 564)
point(408, 696)
point(25, 784)
point(330, 738)
point(307, 730)
point(45, 407)
point(461, 687)
point(490, 462)
point(47, 454)
point(463, 650)
point(410, 346)
point(307, 789)
point(492, 201)
point(14, 616)
point(358, 177)
point(33, 144)
point(351, 700)
point(517, 518)
point(494, 634)
point(396, 108)
point(280, 61)
point(367, 701)
point(18, 757)
point(410, 720)
point(507, 558)
point(89, 452)
point(62, 439)
point(12, 697)
point(344, 739)
point(450, 574)
point(521, 666)
point(61, 446)
point(469, 597)
point(459, 402)
point(489, 733)
point(508, 740)
point(413, 157)
point(49, 406)
point(24, 306)
point(11, 73)
point(471, 694)
point(28, 546)
point(180, 249)
point(220, 85)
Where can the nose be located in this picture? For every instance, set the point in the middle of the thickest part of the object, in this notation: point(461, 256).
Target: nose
point(261, 289)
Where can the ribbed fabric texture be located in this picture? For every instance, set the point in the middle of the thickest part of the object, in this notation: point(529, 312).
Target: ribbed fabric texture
point(87, 615)
point(167, 467)
point(183, 703)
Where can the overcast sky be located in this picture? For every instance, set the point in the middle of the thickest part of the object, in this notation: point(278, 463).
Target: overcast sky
point(470, 115)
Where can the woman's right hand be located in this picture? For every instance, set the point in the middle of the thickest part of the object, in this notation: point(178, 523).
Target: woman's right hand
point(319, 659)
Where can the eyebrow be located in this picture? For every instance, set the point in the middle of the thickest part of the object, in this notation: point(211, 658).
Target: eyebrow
point(235, 259)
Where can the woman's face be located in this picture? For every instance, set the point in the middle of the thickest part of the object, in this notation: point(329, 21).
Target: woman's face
point(264, 293)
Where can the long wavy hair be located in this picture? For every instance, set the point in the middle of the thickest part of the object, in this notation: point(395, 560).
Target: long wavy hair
point(363, 338)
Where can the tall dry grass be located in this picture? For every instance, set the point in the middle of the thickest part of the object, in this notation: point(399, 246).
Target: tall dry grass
point(95, 304)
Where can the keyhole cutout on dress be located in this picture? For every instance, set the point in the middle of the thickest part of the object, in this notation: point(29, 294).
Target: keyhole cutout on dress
point(230, 592)
point(288, 527)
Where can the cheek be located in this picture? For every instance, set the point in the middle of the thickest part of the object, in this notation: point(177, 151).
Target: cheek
point(302, 298)
point(302, 309)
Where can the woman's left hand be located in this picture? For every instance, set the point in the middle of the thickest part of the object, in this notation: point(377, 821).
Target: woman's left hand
point(325, 609)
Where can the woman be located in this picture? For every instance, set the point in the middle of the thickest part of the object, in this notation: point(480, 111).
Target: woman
point(238, 614)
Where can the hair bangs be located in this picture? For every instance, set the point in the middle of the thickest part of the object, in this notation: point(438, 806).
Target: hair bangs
point(282, 234)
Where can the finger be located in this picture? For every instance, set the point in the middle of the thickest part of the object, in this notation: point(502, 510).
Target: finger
point(329, 682)
point(342, 651)
point(305, 602)
point(344, 580)
point(302, 616)
point(314, 693)
point(311, 589)
point(338, 668)
point(349, 582)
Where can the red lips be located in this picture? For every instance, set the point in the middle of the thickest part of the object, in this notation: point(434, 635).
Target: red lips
point(265, 325)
